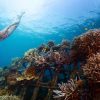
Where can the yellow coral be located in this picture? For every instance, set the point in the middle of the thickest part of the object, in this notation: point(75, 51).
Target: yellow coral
point(28, 75)
point(7, 97)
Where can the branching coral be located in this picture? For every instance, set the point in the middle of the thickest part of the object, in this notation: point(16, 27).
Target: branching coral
point(67, 89)
point(86, 44)
point(92, 67)
point(31, 55)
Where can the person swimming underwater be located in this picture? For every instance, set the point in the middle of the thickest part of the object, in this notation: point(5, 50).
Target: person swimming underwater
point(9, 30)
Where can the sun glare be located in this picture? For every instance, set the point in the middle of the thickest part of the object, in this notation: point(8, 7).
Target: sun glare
point(28, 6)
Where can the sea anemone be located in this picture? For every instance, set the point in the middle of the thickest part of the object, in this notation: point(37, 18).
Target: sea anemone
point(92, 68)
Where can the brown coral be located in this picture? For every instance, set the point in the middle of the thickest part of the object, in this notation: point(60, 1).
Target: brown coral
point(85, 45)
point(68, 90)
point(11, 78)
point(65, 44)
point(28, 74)
point(51, 44)
point(3, 92)
point(92, 68)
point(30, 55)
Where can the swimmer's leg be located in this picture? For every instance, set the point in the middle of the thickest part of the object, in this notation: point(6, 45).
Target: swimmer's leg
point(9, 30)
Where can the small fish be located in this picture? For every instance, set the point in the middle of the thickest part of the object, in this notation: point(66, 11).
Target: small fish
point(86, 29)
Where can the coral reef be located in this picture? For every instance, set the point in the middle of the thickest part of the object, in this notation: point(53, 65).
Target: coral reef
point(3, 92)
point(51, 44)
point(92, 67)
point(28, 74)
point(11, 78)
point(68, 90)
point(36, 75)
point(30, 55)
point(85, 45)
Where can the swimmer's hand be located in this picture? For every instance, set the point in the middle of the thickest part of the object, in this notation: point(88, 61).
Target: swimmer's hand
point(20, 16)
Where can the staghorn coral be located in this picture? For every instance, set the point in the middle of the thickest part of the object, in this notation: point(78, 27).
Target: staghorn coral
point(84, 45)
point(67, 89)
point(92, 67)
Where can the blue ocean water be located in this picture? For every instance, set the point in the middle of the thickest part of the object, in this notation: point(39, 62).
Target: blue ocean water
point(43, 21)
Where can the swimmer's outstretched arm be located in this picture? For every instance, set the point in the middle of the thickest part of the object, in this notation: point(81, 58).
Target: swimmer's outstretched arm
point(9, 30)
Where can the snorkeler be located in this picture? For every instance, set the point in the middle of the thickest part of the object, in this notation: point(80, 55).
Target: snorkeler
point(9, 30)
